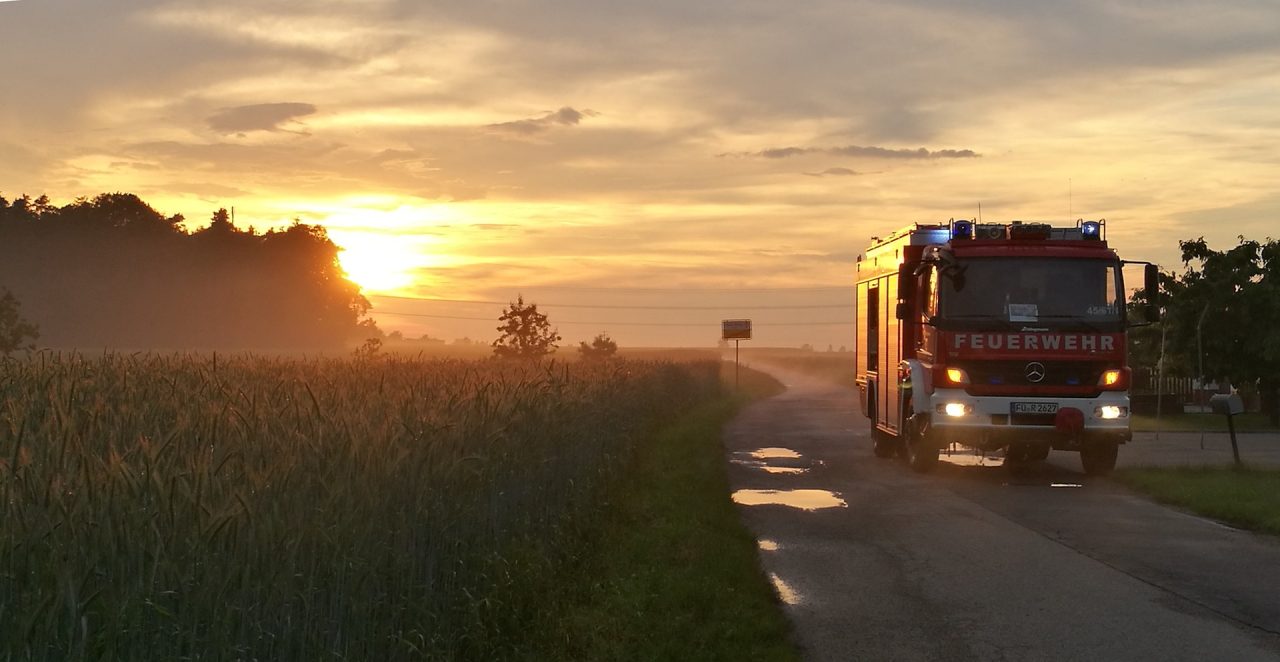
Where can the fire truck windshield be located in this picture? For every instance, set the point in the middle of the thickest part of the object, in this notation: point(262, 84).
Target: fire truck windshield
point(1050, 292)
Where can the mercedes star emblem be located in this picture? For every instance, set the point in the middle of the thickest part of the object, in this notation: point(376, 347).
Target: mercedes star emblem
point(1034, 372)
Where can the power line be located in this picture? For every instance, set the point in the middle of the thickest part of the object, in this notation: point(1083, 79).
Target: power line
point(727, 290)
point(613, 307)
point(683, 324)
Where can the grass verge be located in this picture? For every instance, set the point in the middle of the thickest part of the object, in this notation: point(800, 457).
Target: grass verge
point(1248, 498)
point(670, 573)
point(1247, 422)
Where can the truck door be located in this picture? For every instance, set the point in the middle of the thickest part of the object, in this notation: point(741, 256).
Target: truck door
point(926, 339)
point(872, 334)
point(890, 355)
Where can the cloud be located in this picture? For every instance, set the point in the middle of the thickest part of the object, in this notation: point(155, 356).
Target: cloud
point(566, 116)
point(258, 117)
point(834, 172)
point(860, 151)
point(206, 190)
point(921, 153)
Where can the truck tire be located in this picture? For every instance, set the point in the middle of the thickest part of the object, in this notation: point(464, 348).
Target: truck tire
point(1099, 458)
point(920, 452)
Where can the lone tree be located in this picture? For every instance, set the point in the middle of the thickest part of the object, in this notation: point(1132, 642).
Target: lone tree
point(601, 348)
point(1223, 313)
point(526, 334)
point(15, 332)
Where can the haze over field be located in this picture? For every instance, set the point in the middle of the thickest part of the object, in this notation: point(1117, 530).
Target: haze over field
point(710, 156)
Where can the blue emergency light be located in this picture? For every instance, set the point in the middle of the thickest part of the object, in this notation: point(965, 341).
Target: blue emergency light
point(962, 230)
point(1091, 230)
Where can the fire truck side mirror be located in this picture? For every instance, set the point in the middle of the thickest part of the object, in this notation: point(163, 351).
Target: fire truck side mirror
point(902, 311)
point(906, 284)
point(1152, 290)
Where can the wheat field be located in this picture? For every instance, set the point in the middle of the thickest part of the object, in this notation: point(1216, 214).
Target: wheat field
point(245, 507)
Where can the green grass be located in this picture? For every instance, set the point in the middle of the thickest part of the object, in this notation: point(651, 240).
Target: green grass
point(1248, 498)
point(671, 573)
point(1247, 422)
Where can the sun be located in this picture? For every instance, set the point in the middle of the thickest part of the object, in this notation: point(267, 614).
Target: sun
point(378, 262)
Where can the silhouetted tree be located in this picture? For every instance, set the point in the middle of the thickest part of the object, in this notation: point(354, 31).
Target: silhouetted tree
point(601, 347)
point(15, 333)
point(369, 349)
point(526, 334)
point(111, 271)
point(1224, 312)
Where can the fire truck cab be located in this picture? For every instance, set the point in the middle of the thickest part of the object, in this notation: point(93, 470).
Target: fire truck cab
point(994, 336)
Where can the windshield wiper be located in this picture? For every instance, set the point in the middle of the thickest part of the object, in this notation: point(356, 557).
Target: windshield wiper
point(1075, 318)
point(978, 317)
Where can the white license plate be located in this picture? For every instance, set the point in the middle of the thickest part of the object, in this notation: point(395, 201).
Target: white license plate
point(1033, 407)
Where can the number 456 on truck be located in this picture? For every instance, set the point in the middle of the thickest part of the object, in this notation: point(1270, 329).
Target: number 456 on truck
point(995, 336)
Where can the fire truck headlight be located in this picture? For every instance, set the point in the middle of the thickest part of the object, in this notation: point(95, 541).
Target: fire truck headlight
point(957, 376)
point(1111, 411)
point(1110, 378)
point(955, 409)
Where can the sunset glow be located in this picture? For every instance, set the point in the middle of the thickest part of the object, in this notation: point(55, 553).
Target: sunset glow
point(585, 155)
point(377, 263)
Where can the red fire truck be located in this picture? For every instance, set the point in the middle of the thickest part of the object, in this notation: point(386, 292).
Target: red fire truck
point(995, 336)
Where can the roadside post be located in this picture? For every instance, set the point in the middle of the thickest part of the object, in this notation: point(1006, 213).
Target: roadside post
point(1230, 405)
point(735, 330)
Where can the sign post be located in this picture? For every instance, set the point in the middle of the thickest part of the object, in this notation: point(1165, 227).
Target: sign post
point(735, 330)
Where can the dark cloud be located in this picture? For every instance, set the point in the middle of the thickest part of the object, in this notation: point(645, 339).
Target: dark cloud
point(258, 117)
point(834, 172)
point(783, 152)
point(564, 117)
point(861, 151)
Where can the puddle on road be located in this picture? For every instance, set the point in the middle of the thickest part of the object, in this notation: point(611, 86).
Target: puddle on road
point(1065, 485)
point(783, 470)
point(774, 460)
point(767, 545)
point(768, 468)
point(774, 454)
point(788, 594)
point(802, 499)
point(970, 460)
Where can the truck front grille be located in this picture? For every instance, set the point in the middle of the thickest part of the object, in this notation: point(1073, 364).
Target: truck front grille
point(1014, 373)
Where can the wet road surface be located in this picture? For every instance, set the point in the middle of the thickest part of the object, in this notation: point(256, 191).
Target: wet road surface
point(874, 562)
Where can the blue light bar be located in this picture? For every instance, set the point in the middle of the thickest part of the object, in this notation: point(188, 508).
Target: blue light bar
point(1091, 230)
point(962, 230)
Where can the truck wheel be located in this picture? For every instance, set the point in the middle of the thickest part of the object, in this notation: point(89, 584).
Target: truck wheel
point(921, 451)
point(1099, 457)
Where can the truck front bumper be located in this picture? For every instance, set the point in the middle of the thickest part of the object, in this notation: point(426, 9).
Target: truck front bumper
point(991, 422)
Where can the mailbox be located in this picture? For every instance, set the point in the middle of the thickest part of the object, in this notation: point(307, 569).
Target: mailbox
point(1229, 405)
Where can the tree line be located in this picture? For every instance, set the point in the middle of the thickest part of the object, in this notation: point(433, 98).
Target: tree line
point(1220, 319)
point(111, 271)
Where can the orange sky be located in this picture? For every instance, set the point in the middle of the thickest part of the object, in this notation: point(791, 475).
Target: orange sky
point(721, 159)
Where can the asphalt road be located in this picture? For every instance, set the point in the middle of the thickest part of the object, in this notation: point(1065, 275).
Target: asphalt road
point(874, 562)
